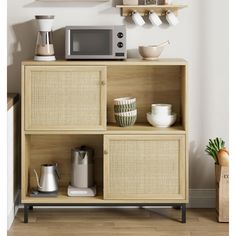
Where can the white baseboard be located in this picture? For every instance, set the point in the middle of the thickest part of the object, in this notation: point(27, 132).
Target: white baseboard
point(202, 198)
point(14, 209)
point(10, 217)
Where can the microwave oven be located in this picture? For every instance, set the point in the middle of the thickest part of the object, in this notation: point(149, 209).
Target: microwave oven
point(95, 42)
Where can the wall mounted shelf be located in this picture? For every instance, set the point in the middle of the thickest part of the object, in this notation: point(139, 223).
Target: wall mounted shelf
point(72, 0)
point(144, 9)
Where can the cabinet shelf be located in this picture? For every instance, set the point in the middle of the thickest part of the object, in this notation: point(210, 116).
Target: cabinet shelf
point(144, 9)
point(143, 128)
point(113, 128)
point(73, 1)
point(63, 198)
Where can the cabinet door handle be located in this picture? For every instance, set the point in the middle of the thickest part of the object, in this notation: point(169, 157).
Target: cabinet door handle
point(103, 83)
point(105, 152)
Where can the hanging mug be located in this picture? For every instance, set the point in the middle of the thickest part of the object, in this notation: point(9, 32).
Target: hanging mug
point(171, 18)
point(137, 19)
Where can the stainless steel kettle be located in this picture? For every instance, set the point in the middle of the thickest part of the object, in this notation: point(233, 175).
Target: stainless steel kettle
point(49, 178)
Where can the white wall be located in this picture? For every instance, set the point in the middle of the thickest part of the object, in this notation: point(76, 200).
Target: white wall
point(13, 161)
point(10, 166)
point(201, 38)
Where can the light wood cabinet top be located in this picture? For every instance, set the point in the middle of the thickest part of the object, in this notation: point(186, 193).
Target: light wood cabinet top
point(131, 61)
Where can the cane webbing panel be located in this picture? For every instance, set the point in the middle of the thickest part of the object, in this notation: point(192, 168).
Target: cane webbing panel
point(143, 167)
point(65, 99)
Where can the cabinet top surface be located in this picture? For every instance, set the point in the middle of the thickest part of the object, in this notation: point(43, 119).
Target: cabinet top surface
point(136, 61)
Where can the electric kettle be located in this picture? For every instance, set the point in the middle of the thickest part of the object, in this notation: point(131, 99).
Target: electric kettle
point(82, 159)
point(48, 181)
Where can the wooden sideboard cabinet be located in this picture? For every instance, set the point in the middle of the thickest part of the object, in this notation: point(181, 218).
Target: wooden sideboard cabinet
point(66, 104)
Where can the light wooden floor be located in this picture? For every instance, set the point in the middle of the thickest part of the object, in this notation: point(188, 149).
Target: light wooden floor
point(112, 222)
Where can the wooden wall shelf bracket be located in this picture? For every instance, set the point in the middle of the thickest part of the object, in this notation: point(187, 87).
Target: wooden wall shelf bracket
point(143, 10)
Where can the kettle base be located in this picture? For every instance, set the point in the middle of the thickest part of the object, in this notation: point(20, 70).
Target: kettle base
point(36, 193)
point(81, 192)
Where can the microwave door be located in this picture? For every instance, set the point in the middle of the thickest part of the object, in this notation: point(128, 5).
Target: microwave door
point(91, 43)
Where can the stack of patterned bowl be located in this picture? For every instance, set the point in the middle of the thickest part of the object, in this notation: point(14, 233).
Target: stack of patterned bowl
point(125, 111)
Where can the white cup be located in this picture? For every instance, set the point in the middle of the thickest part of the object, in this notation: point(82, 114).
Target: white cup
point(130, 2)
point(154, 18)
point(168, 2)
point(137, 19)
point(171, 18)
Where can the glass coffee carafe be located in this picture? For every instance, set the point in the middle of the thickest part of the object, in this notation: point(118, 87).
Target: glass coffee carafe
point(44, 50)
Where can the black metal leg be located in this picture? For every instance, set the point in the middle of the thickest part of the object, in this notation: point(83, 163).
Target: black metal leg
point(177, 207)
point(31, 208)
point(183, 213)
point(28, 207)
point(26, 213)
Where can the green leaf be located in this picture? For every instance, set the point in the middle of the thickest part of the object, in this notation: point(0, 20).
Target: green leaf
point(223, 144)
point(213, 147)
point(218, 143)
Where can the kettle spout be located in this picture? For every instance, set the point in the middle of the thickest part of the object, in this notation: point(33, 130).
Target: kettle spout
point(37, 178)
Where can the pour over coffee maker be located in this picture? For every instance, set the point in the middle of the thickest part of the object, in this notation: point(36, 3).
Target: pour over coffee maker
point(44, 50)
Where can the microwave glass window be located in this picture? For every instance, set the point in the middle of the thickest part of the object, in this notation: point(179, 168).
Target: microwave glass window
point(91, 42)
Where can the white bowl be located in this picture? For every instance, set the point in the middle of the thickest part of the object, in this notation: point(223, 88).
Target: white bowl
point(124, 100)
point(161, 113)
point(161, 121)
point(152, 52)
point(161, 109)
point(128, 113)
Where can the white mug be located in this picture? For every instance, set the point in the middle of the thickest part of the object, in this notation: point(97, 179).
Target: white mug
point(167, 2)
point(137, 19)
point(171, 18)
point(154, 18)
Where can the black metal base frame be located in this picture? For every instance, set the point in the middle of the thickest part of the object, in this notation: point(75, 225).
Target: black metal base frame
point(30, 206)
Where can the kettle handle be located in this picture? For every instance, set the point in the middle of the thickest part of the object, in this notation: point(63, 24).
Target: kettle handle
point(56, 170)
point(37, 178)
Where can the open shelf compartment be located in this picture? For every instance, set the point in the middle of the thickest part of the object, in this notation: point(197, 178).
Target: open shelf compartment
point(43, 149)
point(149, 84)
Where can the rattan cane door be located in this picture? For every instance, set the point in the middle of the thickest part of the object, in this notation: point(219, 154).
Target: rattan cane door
point(144, 167)
point(65, 97)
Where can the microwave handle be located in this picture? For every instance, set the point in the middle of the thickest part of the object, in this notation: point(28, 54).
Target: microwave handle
point(68, 42)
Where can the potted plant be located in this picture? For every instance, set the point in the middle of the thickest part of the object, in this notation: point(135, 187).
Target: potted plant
point(216, 149)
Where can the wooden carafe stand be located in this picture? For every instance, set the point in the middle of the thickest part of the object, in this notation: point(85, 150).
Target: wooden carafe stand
point(66, 104)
